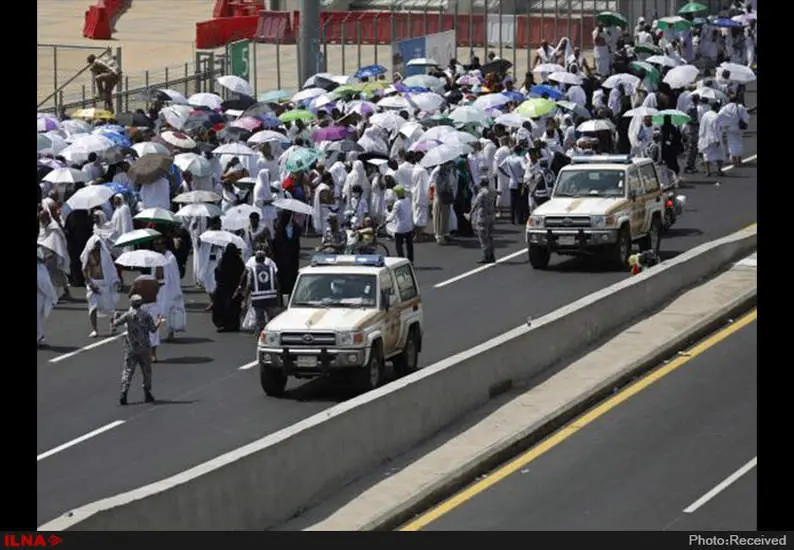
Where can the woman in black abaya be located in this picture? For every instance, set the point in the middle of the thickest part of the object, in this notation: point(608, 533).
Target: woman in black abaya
point(79, 227)
point(226, 304)
point(287, 250)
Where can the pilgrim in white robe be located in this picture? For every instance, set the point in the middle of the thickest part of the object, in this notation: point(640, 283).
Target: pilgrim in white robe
point(121, 223)
point(730, 115)
point(56, 255)
point(710, 138)
point(156, 194)
point(502, 181)
point(209, 256)
point(357, 176)
point(46, 298)
point(105, 299)
point(601, 52)
point(170, 300)
point(263, 198)
point(420, 199)
point(196, 226)
point(321, 208)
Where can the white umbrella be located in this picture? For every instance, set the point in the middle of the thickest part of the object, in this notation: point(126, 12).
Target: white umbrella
point(156, 215)
point(242, 210)
point(663, 60)
point(710, 93)
point(458, 138)
point(137, 236)
point(238, 217)
point(423, 62)
point(575, 108)
point(212, 101)
point(178, 139)
point(360, 107)
point(745, 18)
point(57, 143)
point(489, 101)
point(92, 143)
point(294, 206)
point(410, 129)
point(437, 132)
point(597, 125)
point(173, 95)
point(621, 78)
point(424, 81)
point(193, 163)
point(222, 238)
point(548, 68)
point(65, 175)
point(195, 197)
point(142, 258)
point(308, 93)
point(512, 120)
point(176, 115)
point(235, 149)
point(469, 115)
point(199, 210)
point(640, 111)
point(266, 136)
point(388, 120)
point(90, 197)
point(236, 85)
point(440, 155)
point(323, 100)
point(739, 73)
point(150, 148)
point(75, 126)
point(681, 76)
point(372, 145)
point(427, 101)
point(339, 79)
point(566, 77)
point(394, 102)
point(47, 123)
point(43, 142)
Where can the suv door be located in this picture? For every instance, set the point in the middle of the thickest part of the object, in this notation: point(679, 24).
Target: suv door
point(653, 192)
point(391, 324)
point(638, 226)
point(410, 308)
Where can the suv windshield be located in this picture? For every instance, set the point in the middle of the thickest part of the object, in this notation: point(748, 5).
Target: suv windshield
point(591, 183)
point(335, 290)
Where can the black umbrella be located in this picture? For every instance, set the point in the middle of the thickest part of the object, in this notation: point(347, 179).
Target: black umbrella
point(257, 109)
point(325, 83)
point(204, 147)
point(346, 146)
point(149, 167)
point(43, 170)
point(239, 104)
point(233, 133)
point(138, 120)
point(364, 157)
point(498, 66)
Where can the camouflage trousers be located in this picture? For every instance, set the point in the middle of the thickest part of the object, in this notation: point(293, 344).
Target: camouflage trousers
point(131, 360)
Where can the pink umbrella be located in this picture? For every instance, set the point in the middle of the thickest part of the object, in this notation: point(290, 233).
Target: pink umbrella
point(248, 123)
point(332, 133)
point(425, 146)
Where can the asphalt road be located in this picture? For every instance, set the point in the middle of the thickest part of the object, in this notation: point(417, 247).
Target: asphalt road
point(643, 463)
point(207, 406)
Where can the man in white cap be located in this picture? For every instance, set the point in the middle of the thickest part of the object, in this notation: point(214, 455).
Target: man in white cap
point(137, 349)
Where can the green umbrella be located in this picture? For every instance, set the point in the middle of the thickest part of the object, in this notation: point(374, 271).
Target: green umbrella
point(437, 120)
point(298, 114)
point(677, 117)
point(612, 19)
point(536, 107)
point(692, 7)
point(651, 76)
point(699, 21)
point(43, 142)
point(301, 159)
point(650, 49)
point(674, 23)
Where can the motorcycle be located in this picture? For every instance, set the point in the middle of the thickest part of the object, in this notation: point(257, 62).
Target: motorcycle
point(673, 206)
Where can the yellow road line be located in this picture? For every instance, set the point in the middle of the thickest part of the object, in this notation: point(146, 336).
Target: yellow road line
point(754, 224)
point(576, 425)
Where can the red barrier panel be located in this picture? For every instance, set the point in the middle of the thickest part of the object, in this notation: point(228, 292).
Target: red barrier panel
point(219, 32)
point(97, 24)
point(275, 27)
point(221, 9)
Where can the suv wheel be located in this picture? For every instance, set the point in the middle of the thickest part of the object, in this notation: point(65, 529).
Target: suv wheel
point(622, 249)
point(371, 376)
point(407, 361)
point(653, 240)
point(539, 256)
point(273, 381)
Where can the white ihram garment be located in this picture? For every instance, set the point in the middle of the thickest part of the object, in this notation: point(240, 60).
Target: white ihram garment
point(420, 199)
point(170, 299)
point(709, 138)
point(730, 116)
point(46, 298)
point(105, 299)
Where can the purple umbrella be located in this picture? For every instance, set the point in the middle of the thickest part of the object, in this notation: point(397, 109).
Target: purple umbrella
point(332, 133)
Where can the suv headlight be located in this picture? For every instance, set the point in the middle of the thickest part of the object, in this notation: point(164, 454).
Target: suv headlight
point(350, 338)
point(601, 222)
point(535, 221)
point(269, 338)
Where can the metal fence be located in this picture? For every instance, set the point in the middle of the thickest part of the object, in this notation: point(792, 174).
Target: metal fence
point(60, 66)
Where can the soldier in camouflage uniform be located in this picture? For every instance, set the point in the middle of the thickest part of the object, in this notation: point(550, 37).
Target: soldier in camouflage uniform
point(137, 347)
point(483, 219)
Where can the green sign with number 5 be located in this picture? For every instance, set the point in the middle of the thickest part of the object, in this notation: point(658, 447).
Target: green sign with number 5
point(239, 55)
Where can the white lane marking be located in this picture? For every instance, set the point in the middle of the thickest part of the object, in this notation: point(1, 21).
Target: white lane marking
point(247, 366)
point(80, 439)
point(480, 269)
point(86, 348)
point(724, 484)
point(732, 166)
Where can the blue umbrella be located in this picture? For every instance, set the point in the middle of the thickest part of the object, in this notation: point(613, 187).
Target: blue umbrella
point(129, 195)
point(269, 121)
point(726, 23)
point(114, 128)
point(541, 89)
point(517, 96)
point(118, 140)
point(275, 96)
point(371, 71)
point(176, 174)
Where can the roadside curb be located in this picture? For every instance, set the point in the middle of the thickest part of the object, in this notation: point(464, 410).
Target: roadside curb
point(506, 450)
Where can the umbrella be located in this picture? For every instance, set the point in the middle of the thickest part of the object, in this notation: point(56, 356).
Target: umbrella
point(640, 111)
point(674, 23)
point(612, 19)
point(566, 78)
point(196, 164)
point(142, 258)
point(650, 74)
point(425, 145)
point(489, 101)
point(149, 168)
point(150, 148)
point(43, 142)
point(213, 101)
point(92, 113)
point(46, 123)
point(266, 136)
point(56, 143)
point(692, 7)
point(331, 133)
point(121, 189)
point(65, 175)
point(156, 215)
point(301, 159)
point(597, 125)
point(499, 66)
point(745, 18)
point(677, 117)
point(681, 76)
point(72, 127)
point(423, 62)
point(294, 205)
point(650, 49)
point(234, 149)
point(711, 94)
point(232, 133)
point(468, 80)
point(663, 60)
point(258, 109)
point(440, 155)
point(542, 89)
point(274, 96)
point(198, 210)
point(738, 73)
point(90, 197)
point(371, 71)
point(119, 140)
point(621, 78)
point(196, 197)
point(423, 81)
point(388, 120)
point(344, 147)
point(236, 85)
point(361, 107)
point(247, 123)
point(173, 95)
point(308, 94)
point(725, 23)
point(427, 101)
point(512, 120)
point(548, 68)
point(437, 120)
point(536, 107)
point(176, 115)
point(410, 129)
point(458, 138)
point(269, 121)
point(290, 116)
point(222, 239)
point(241, 104)
point(91, 143)
point(244, 183)
point(438, 132)
point(242, 211)
point(469, 115)
point(136, 237)
point(575, 108)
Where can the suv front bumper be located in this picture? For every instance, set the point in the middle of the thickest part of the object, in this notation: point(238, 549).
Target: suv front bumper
point(312, 362)
point(562, 239)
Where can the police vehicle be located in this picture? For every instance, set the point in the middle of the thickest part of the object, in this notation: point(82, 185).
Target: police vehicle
point(600, 205)
point(347, 315)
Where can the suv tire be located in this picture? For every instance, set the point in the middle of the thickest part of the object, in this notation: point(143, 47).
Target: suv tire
point(539, 256)
point(370, 376)
point(653, 240)
point(619, 255)
point(273, 381)
point(408, 361)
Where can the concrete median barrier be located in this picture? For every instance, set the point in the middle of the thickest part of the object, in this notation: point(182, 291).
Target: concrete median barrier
point(273, 479)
